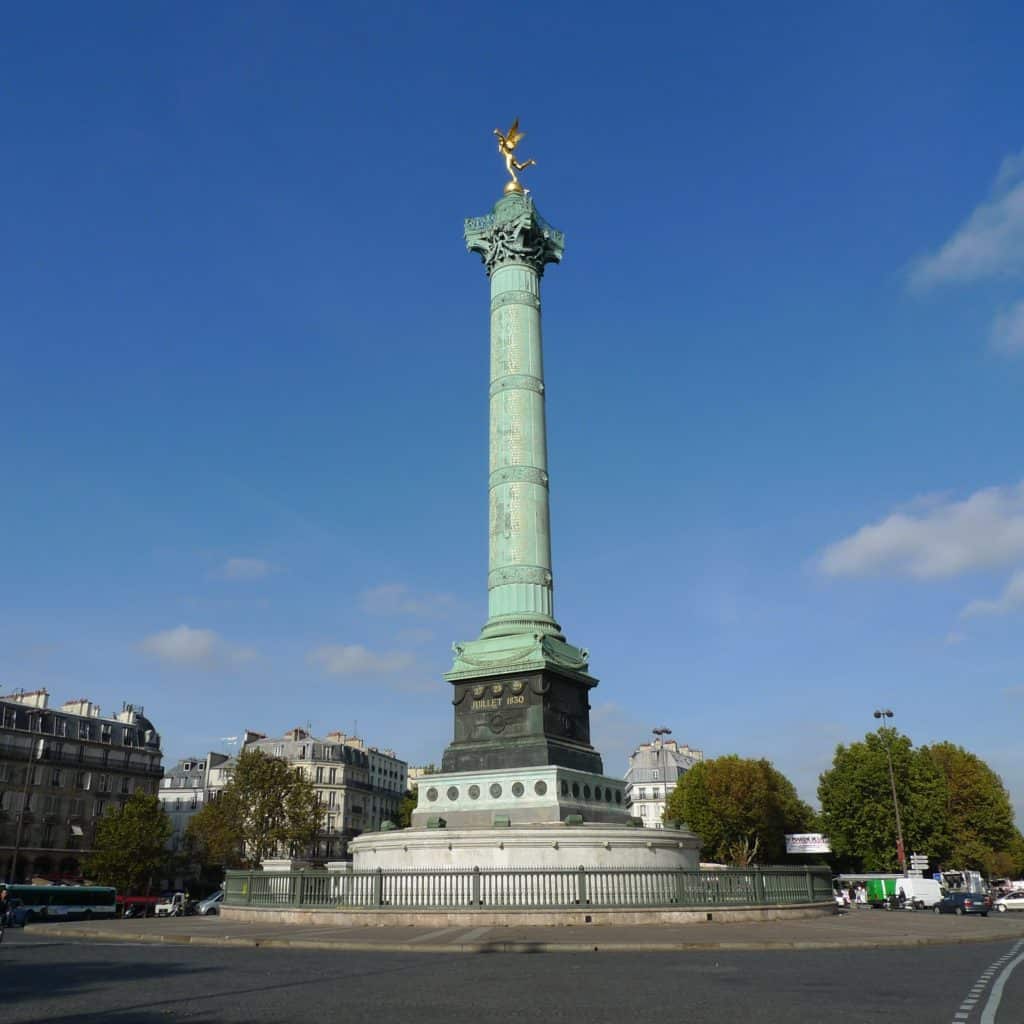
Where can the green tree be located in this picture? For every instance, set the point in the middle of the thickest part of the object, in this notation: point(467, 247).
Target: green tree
point(857, 807)
point(979, 815)
point(409, 804)
point(740, 807)
point(214, 834)
point(267, 807)
point(130, 847)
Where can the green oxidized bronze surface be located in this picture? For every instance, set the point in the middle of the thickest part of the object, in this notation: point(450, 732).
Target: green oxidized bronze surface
point(520, 690)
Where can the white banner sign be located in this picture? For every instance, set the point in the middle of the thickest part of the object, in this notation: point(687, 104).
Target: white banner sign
point(808, 842)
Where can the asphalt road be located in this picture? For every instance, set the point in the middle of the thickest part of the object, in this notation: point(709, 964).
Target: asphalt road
point(58, 979)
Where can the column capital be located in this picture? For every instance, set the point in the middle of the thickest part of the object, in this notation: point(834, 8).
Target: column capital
point(514, 233)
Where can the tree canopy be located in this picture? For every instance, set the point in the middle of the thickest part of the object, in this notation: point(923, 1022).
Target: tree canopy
point(741, 808)
point(130, 846)
point(979, 816)
point(857, 806)
point(268, 806)
point(954, 809)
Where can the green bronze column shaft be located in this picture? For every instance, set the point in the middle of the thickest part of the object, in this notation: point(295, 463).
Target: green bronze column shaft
point(516, 244)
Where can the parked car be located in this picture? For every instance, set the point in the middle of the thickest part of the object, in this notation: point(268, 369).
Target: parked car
point(1011, 901)
point(211, 905)
point(964, 903)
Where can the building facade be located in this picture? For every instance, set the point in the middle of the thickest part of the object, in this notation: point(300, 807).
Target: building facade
point(654, 769)
point(61, 769)
point(358, 787)
point(186, 789)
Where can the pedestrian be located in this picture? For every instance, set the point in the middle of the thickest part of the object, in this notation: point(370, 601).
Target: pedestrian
point(5, 906)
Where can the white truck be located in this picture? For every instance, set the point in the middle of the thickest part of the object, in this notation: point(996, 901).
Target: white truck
point(921, 893)
point(173, 906)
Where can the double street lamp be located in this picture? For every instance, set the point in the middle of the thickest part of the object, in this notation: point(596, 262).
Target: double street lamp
point(884, 713)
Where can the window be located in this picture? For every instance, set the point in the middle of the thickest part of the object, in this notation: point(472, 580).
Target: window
point(106, 731)
point(330, 798)
point(319, 774)
point(62, 727)
point(83, 780)
point(56, 779)
point(85, 730)
point(279, 750)
point(125, 783)
point(98, 808)
point(642, 794)
point(332, 775)
point(656, 773)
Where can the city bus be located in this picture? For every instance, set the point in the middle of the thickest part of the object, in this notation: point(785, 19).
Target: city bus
point(64, 902)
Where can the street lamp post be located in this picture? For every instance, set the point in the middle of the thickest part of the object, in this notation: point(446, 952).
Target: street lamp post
point(35, 752)
point(900, 853)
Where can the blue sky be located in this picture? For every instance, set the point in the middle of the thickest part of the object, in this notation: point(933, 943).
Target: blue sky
point(243, 430)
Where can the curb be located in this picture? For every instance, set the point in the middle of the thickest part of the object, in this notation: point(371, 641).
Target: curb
point(520, 946)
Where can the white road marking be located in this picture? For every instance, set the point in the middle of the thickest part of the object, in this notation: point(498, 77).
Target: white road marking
point(475, 934)
point(988, 1015)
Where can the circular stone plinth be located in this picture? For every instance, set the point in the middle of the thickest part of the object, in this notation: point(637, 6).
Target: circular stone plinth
point(553, 845)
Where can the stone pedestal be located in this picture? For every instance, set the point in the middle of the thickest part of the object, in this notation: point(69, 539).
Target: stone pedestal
point(284, 864)
point(519, 796)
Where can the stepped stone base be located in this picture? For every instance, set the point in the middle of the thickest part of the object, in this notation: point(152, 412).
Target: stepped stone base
point(527, 846)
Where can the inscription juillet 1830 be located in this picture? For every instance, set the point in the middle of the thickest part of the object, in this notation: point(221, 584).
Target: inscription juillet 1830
point(487, 698)
point(487, 703)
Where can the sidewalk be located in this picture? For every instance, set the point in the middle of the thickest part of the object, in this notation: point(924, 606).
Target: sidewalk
point(863, 929)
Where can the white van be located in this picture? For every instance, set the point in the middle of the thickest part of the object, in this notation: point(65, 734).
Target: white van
point(920, 892)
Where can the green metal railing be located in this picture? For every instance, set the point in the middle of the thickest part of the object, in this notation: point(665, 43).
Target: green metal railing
point(527, 888)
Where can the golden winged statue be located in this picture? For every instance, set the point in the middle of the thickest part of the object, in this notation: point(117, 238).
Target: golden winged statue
point(507, 142)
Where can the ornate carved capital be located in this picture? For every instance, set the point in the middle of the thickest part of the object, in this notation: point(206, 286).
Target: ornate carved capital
point(514, 233)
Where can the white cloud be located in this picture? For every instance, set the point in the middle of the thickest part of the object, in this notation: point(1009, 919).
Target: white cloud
point(244, 569)
point(1010, 600)
point(400, 599)
point(989, 243)
point(1008, 330)
point(352, 659)
point(194, 648)
point(942, 538)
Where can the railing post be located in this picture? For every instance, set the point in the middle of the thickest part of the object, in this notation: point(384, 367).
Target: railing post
point(680, 886)
point(810, 885)
point(475, 898)
point(378, 888)
point(300, 891)
point(581, 885)
point(248, 889)
point(759, 886)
